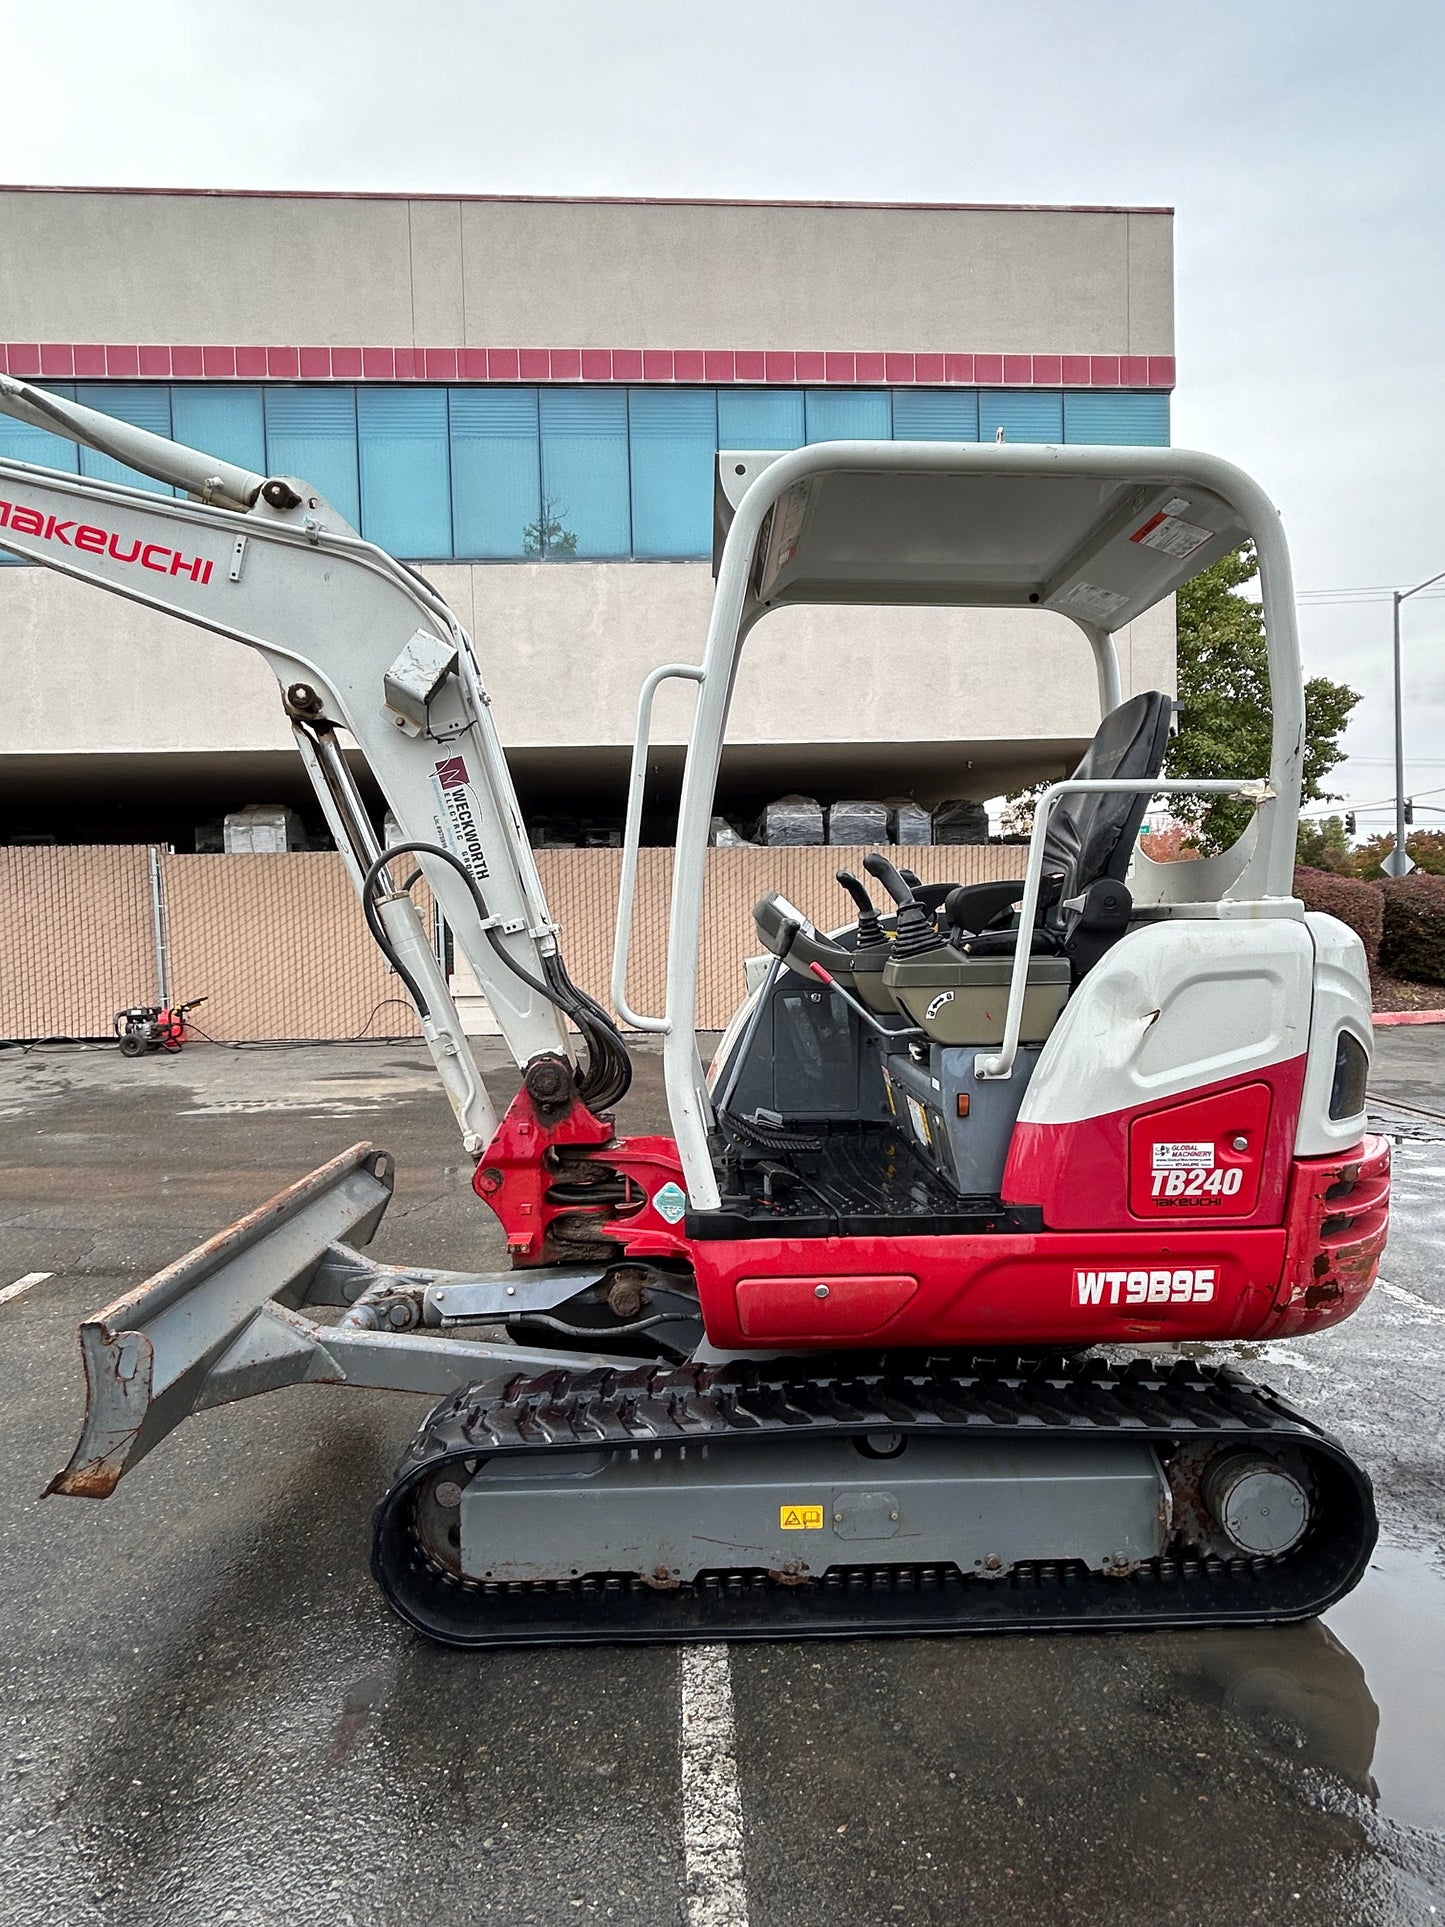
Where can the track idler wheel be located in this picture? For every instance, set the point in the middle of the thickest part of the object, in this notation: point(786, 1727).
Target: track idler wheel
point(1261, 1508)
point(1236, 1501)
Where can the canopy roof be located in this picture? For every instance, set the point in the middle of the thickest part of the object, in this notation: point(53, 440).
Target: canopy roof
point(1099, 534)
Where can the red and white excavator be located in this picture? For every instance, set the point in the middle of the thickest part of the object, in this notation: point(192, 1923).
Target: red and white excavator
point(822, 1361)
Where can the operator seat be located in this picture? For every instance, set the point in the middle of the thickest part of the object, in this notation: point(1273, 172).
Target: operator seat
point(1083, 904)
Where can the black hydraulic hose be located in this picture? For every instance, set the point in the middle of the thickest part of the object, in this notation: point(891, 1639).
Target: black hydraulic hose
point(435, 849)
point(609, 1068)
point(383, 941)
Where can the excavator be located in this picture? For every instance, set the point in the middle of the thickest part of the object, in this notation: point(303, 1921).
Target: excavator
point(905, 1327)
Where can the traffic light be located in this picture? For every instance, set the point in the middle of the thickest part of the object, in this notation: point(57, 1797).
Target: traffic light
point(1349, 822)
point(1409, 809)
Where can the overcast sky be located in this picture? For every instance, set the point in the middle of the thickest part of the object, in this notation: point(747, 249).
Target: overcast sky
point(1300, 144)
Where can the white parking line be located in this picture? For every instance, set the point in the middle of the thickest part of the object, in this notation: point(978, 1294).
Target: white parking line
point(1409, 1298)
point(24, 1284)
point(712, 1814)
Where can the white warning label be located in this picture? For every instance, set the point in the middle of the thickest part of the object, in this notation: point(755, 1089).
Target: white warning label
point(1171, 535)
point(1088, 599)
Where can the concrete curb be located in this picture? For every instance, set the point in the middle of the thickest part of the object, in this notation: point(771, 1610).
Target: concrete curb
point(1408, 1017)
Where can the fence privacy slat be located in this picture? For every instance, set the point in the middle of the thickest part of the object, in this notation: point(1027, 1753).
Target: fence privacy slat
point(279, 946)
point(76, 942)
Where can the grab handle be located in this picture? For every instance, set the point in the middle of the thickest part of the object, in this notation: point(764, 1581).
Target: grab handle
point(632, 836)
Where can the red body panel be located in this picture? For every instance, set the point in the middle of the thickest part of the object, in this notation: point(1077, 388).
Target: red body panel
point(530, 1157)
point(1165, 1283)
point(1339, 1218)
point(1096, 1174)
point(997, 1289)
point(1192, 1276)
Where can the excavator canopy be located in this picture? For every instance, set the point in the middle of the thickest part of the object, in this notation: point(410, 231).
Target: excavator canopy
point(1008, 531)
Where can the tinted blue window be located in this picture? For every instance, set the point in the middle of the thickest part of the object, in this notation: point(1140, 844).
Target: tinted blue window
point(226, 422)
point(584, 468)
point(439, 472)
point(673, 439)
point(19, 442)
point(311, 434)
point(760, 418)
point(496, 472)
point(144, 407)
point(1024, 414)
point(849, 414)
point(1117, 416)
point(935, 415)
point(406, 499)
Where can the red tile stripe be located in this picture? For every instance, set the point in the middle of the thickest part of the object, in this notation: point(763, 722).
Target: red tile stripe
point(150, 361)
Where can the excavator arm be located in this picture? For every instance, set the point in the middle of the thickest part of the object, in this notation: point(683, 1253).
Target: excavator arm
point(364, 649)
point(374, 668)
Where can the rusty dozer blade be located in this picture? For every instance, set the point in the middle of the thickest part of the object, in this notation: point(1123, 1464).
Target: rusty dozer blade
point(147, 1356)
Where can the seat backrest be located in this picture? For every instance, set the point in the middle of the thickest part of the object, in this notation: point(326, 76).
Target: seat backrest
point(1090, 837)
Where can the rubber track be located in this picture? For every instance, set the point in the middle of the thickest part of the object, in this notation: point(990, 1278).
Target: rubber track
point(1164, 1402)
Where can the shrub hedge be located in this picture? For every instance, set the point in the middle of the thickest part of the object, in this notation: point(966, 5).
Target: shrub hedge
point(1360, 905)
point(1414, 932)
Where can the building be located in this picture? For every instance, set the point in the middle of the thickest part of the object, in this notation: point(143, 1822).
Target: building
point(525, 396)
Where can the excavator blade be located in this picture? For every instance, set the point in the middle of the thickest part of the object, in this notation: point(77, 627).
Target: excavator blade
point(148, 1355)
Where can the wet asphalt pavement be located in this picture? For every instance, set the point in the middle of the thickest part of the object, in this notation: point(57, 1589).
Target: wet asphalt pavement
point(208, 1716)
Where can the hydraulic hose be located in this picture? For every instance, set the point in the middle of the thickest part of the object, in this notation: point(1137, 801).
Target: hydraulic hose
point(609, 1068)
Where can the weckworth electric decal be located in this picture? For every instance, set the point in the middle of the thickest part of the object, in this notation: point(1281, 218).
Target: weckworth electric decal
point(93, 541)
point(1184, 1287)
point(459, 816)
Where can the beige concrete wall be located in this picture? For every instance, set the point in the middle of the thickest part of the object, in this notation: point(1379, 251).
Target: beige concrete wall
point(749, 277)
point(277, 270)
point(564, 649)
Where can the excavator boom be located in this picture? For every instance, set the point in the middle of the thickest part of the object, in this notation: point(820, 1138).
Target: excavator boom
point(375, 670)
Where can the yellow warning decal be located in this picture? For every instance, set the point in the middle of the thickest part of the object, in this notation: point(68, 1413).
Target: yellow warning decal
point(800, 1518)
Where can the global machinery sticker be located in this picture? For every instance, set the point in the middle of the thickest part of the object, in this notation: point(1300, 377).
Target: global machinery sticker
point(1188, 1171)
point(459, 814)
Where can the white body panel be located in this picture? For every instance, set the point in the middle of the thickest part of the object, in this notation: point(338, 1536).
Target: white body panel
point(1171, 1007)
point(1342, 1003)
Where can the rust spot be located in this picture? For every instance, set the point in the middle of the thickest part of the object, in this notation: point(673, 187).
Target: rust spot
point(85, 1482)
point(1322, 1294)
point(795, 1573)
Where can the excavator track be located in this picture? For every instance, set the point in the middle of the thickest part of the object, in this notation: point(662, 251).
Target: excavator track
point(1185, 1411)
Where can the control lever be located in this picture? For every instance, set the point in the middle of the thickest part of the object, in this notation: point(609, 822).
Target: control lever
point(914, 932)
point(870, 930)
point(893, 883)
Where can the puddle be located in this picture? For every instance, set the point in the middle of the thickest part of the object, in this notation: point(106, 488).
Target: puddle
point(1359, 1695)
point(1394, 1625)
point(358, 1703)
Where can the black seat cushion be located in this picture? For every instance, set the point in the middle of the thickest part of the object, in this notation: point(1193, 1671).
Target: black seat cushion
point(1090, 837)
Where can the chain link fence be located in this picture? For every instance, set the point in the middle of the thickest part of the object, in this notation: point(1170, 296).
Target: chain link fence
point(279, 947)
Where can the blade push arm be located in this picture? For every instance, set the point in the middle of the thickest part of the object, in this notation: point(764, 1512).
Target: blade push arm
point(358, 643)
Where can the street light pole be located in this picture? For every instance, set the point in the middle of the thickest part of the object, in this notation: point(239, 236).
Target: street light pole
point(1398, 863)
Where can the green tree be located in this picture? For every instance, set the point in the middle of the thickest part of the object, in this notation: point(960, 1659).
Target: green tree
point(548, 536)
point(1224, 707)
point(1323, 845)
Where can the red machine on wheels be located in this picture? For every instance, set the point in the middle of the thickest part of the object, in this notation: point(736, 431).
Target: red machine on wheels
point(825, 1359)
point(148, 1027)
